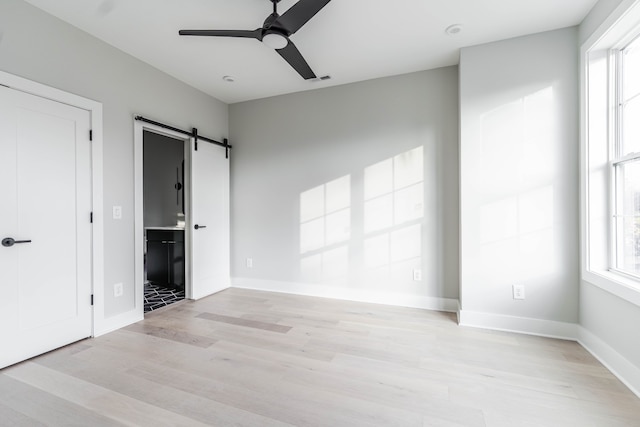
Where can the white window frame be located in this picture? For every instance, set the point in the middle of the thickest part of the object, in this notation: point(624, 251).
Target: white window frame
point(598, 190)
point(618, 158)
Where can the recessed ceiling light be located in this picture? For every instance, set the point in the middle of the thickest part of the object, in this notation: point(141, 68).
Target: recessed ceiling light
point(453, 30)
point(106, 7)
point(229, 79)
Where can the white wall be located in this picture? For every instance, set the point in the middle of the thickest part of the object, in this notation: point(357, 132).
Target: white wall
point(42, 48)
point(343, 144)
point(519, 182)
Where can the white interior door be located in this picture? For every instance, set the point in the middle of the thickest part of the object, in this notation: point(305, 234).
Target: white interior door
point(45, 199)
point(209, 220)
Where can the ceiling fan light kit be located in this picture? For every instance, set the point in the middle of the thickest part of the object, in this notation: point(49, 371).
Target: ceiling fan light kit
point(275, 41)
point(275, 32)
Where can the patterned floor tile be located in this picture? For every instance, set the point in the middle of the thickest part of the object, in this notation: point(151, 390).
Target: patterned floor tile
point(156, 297)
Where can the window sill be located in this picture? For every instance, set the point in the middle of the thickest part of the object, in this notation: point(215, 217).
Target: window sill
point(621, 286)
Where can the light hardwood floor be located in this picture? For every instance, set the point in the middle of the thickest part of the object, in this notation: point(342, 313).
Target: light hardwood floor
point(248, 358)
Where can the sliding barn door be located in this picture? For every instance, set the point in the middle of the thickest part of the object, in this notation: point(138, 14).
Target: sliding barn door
point(45, 256)
point(209, 225)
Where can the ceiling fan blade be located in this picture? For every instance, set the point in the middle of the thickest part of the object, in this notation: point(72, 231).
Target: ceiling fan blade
point(250, 34)
point(292, 55)
point(299, 14)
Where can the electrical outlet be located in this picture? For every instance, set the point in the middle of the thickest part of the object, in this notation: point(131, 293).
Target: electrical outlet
point(518, 292)
point(249, 262)
point(117, 212)
point(118, 290)
point(417, 274)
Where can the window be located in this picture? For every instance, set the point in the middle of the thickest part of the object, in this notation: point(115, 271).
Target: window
point(610, 155)
point(626, 159)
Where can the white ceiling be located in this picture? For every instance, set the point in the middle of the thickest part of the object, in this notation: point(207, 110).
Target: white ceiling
point(350, 40)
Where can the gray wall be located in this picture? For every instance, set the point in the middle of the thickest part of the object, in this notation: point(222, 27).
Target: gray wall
point(612, 319)
point(519, 176)
point(596, 17)
point(39, 47)
point(162, 156)
point(291, 151)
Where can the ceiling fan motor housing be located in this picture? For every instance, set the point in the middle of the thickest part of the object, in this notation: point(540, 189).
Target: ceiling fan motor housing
point(271, 26)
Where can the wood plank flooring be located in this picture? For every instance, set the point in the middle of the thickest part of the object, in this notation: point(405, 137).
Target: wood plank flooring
point(249, 358)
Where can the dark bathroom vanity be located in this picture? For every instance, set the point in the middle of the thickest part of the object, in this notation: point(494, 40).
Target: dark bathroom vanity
point(165, 257)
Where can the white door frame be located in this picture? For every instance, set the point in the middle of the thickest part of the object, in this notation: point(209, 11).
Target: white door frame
point(138, 142)
point(97, 244)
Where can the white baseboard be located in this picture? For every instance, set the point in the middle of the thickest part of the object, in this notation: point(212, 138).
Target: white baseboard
point(111, 324)
point(209, 292)
point(522, 325)
point(359, 295)
point(626, 371)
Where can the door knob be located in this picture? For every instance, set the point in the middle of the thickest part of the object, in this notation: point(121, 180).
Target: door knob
point(199, 226)
point(9, 241)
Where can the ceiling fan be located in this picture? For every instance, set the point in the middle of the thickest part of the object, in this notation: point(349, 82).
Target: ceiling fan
point(275, 32)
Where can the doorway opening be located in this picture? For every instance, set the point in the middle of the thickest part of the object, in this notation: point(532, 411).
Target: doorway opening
point(164, 219)
point(205, 191)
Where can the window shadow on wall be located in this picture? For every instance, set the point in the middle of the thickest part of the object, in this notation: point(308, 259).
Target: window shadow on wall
point(382, 222)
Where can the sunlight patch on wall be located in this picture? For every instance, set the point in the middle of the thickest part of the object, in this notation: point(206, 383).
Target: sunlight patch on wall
point(386, 244)
point(393, 208)
point(325, 225)
point(325, 215)
point(393, 191)
point(517, 224)
point(517, 143)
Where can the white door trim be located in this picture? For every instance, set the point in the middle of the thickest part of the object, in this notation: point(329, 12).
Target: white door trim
point(138, 227)
point(95, 109)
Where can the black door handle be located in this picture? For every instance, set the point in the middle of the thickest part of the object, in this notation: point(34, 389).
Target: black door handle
point(199, 226)
point(9, 241)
